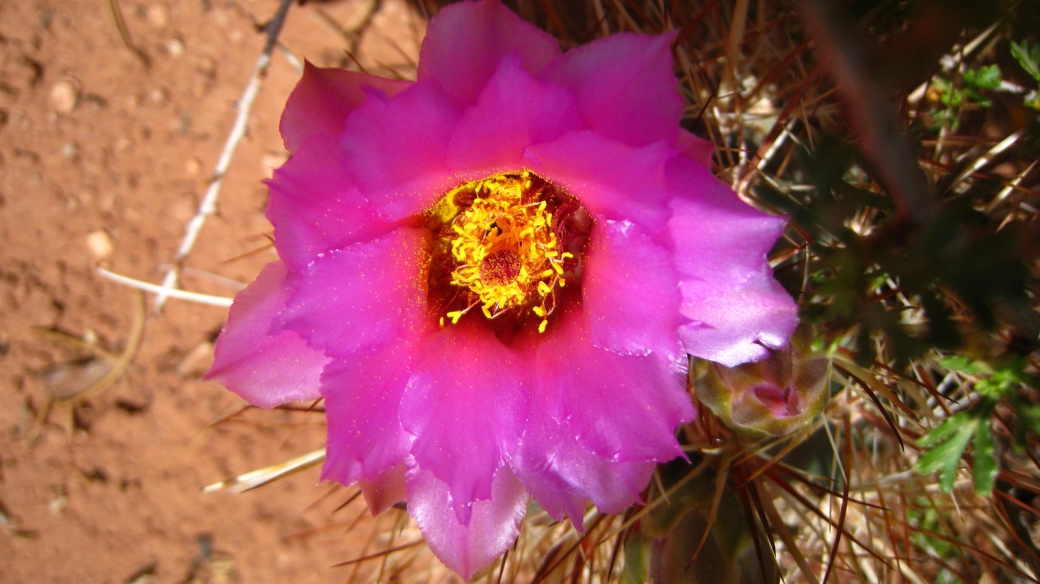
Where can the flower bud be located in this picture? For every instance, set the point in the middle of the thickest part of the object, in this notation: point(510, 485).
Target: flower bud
point(774, 396)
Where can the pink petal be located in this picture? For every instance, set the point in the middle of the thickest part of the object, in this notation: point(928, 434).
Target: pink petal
point(613, 486)
point(553, 494)
point(736, 307)
point(363, 296)
point(560, 474)
point(619, 407)
point(734, 326)
point(630, 291)
point(513, 112)
point(465, 41)
point(395, 149)
point(315, 207)
point(265, 369)
point(386, 490)
point(467, 546)
point(466, 407)
point(609, 178)
point(322, 100)
point(696, 148)
point(626, 86)
point(362, 398)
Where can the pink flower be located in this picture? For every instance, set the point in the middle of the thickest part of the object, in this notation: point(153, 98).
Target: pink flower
point(492, 276)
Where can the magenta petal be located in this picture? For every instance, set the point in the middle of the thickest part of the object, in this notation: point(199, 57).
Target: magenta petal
point(395, 149)
point(466, 407)
point(315, 207)
point(620, 407)
point(630, 291)
point(492, 528)
point(735, 326)
point(553, 494)
point(386, 490)
point(362, 398)
point(513, 112)
point(610, 178)
point(362, 296)
point(560, 475)
point(736, 307)
point(612, 486)
point(626, 86)
point(696, 148)
point(265, 369)
point(465, 42)
point(324, 98)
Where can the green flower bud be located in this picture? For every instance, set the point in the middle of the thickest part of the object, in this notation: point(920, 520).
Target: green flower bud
point(774, 396)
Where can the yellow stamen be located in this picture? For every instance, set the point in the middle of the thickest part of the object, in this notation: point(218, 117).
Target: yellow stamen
point(504, 248)
point(499, 237)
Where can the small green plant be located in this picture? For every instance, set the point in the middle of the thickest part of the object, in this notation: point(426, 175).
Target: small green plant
point(945, 444)
point(1028, 56)
point(973, 89)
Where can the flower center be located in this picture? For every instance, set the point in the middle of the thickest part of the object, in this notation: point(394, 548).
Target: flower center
point(502, 243)
point(500, 268)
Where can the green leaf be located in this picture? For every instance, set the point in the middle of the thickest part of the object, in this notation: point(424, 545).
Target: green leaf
point(1028, 56)
point(943, 431)
point(987, 77)
point(984, 459)
point(965, 365)
point(946, 456)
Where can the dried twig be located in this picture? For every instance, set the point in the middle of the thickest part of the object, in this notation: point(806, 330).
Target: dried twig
point(245, 106)
point(163, 291)
point(124, 33)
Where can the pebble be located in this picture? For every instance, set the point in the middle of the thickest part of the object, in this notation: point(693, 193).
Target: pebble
point(193, 167)
point(64, 97)
point(175, 47)
point(70, 150)
point(158, 16)
point(100, 244)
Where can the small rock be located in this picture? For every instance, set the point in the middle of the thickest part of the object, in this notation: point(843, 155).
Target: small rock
point(100, 244)
point(70, 150)
point(158, 15)
point(64, 97)
point(175, 47)
point(158, 95)
point(193, 167)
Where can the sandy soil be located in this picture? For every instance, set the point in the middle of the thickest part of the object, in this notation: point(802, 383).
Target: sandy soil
point(103, 160)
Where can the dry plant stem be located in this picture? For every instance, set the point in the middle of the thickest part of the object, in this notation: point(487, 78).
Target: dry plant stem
point(245, 106)
point(253, 479)
point(165, 291)
point(124, 33)
point(117, 370)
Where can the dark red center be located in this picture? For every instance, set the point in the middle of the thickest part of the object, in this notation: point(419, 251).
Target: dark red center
point(500, 268)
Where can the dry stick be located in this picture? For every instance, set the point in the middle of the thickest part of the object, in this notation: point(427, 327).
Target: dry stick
point(245, 106)
point(165, 291)
point(124, 33)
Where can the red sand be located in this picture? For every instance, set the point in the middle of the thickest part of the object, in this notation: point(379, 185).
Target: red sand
point(124, 158)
